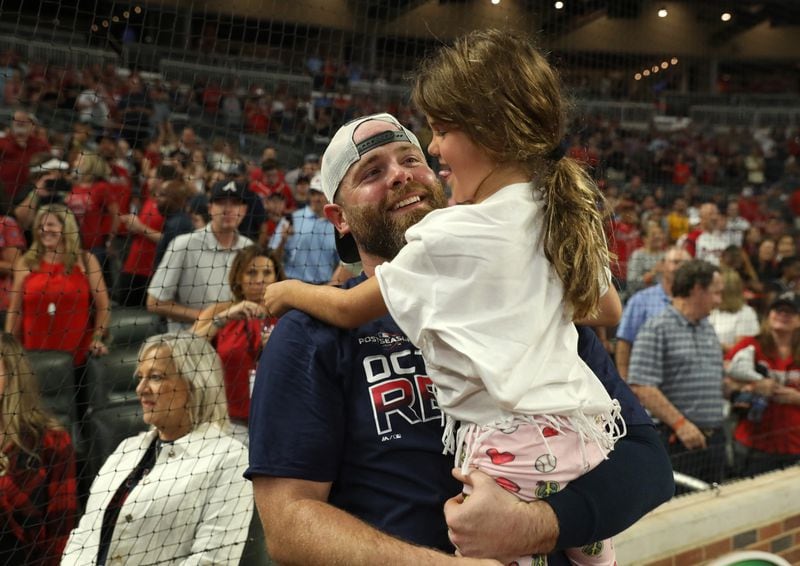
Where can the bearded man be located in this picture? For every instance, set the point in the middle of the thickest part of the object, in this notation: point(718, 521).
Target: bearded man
point(345, 433)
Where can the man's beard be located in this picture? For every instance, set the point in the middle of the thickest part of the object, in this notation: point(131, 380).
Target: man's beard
point(381, 233)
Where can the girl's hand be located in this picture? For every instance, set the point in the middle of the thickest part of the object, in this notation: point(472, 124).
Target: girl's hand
point(277, 297)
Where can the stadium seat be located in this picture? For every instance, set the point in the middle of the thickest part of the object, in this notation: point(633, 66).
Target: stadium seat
point(131, 326)
point(56, 377)
point(114, 412)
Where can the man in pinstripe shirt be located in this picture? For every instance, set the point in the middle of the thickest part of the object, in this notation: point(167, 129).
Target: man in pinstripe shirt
point(676, 371)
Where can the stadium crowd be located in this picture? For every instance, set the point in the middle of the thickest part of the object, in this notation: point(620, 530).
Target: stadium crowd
point(130, 208)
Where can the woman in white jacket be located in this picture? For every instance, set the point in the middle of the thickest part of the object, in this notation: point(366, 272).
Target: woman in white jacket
point(175, 494)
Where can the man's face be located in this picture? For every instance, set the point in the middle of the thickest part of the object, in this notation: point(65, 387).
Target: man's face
point(106, 148)
point(317, 202)
point(672, 261)
point(709, 216)
point(389, 190)
point(22, 126)
point(226, 214)
point(710, 298)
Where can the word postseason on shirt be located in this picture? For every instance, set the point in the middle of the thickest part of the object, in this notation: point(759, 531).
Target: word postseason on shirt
point(400, 392)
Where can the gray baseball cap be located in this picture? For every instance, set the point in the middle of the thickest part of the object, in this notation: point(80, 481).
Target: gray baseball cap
point(342, 152)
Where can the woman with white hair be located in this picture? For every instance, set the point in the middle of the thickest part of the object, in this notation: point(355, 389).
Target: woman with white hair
point(174, 494)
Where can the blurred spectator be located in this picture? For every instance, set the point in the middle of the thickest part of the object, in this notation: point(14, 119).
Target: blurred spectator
point(709, 238)
point(644, 262)
point(146, 233)
point(305, 240)
point(752, 240)
point(16, 150)
point(678, 220)
point(764, 262)
point(676, 371)
point(193, 274)
point(735, 225)
point(733, 257)
point(788, 277)
point(135, 110)
point(176, 493)
point(275, 206)
point(57, 285)
point(644, 305)
point(92, 106)
point(785, 247)
point(308, 169)
point(47, 184)
point(733, 320)
point(272, 182)
point(239, 328)
point(682, 170)
point(771, 440)
point(38, 501)
point(755, 164)
point(172, 199)
point(624, 237)
point(96, 208)
point(301, 190)
point(12, 244)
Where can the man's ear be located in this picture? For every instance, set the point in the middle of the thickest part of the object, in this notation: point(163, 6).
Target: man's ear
point(335, 215)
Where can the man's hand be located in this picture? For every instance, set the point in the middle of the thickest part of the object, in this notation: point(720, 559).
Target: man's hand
point(690, 436)
point(493, 523)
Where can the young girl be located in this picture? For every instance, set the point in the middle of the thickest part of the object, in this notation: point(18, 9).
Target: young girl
point(489, 291)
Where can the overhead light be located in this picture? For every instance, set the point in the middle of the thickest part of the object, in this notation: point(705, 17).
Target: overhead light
point(637, 76)
point(662, 12)
point(664, 64)
point(726, 16)
point(646, 73)
point(559, 5)
point(495, 2)
point(674, 60)
point(655, 68)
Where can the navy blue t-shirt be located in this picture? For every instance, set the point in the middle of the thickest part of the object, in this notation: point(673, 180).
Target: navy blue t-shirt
point(355, 408)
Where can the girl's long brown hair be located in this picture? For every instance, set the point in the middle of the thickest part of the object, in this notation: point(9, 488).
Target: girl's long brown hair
point(500, 90)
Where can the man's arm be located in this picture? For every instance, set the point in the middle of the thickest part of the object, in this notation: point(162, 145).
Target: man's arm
point(172, 310)
point(622, 357)
point(636, 478)
point(302, 528)
point(661, 408)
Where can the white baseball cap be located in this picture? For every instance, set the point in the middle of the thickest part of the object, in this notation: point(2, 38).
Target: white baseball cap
point(342, 152)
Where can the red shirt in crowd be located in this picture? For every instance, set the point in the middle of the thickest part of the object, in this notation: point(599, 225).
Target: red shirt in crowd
point(623, 239)
point(262, 189)
point(778, 432)
point(91, 206)
point(10, 237)
point(15, 160)
point(56, 310)
point(142, 253)
point(238, 344)
point(38, 498)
